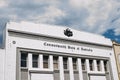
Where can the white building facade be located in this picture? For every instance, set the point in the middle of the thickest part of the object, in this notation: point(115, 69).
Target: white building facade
point(46, 52)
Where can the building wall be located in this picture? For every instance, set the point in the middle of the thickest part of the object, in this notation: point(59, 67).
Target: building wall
point(2, 63)
point(116, 47)
point(19, 41)
point(38, 45)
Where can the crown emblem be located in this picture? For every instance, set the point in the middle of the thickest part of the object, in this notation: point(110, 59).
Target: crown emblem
point(68, 32)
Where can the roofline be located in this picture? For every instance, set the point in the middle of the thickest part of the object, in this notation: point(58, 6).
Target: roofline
point(54, 37)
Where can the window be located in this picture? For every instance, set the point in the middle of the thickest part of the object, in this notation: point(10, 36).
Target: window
point(65, 60)
point(45, 61)
point(35, 61)
point(98, 65)
point(91, 64)
point(105, 65)
point(83, 64)
point(74, 63)
point(55, 62)
point(24, 59)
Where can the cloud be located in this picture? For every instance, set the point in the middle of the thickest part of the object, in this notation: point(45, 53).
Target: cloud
point(111, 34)
point(3, 3)
point(98, 10)
point(117, 31)
point(115, 19)
point(98, 13)
point(50, 15)
point(80, 3)
point(96, 16)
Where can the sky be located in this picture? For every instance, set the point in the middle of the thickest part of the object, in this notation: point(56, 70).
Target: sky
point(95, 16)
